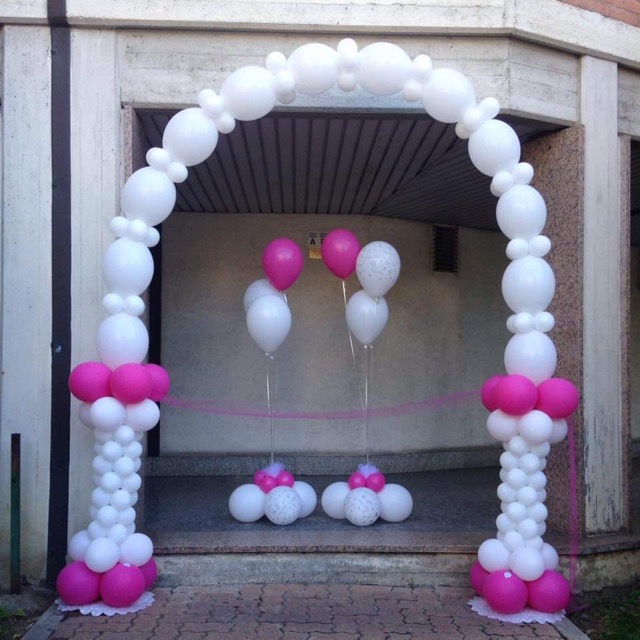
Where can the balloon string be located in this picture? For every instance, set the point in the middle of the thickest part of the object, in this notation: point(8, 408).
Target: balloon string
point(270, 359)
point(353, 352)
point(368, 349)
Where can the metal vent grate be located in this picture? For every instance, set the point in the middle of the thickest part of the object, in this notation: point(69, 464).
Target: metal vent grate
point(445, 248)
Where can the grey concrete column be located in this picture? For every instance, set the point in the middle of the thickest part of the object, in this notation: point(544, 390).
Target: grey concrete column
point(606, 258)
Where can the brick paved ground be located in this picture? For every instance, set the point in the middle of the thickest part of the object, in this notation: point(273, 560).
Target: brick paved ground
point(301, 612)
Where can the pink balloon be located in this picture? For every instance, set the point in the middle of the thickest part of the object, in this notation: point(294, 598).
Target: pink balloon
point(357, 480)
point(131, 383)
point(505, 592)
point(557, 397)
point(77, 584)
point(150, 573)
point(488, 393)
point(89, 381)
point(375, 482)
point(340, 250)
point(282, 263)
point(267, 483)
point(516, 395)
point(259, 475)
point(285, 479)
point(477, 576)
point(160, 382)
point(550, 593)
point(122, 585)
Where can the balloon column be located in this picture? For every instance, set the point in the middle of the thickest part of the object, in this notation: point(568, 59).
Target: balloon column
point(366, 497)
point(274, 491)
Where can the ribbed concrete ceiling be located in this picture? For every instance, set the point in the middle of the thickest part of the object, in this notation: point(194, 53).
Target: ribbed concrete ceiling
point(396, 165)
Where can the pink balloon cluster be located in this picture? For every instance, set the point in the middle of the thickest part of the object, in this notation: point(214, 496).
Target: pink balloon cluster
point(268, 479)
point(517, 395)
point(374, 480)
point(340, 249)
point(121, 586)
point(506, 593)
point(282, 262)
point(130, 383)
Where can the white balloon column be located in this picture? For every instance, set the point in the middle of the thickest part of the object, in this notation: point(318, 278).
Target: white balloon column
point(517, 560)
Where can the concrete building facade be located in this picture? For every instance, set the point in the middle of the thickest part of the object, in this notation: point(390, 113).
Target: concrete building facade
point(81, 81)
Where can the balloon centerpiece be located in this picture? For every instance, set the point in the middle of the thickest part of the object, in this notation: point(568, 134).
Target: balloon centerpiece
point(274, 492)
point(366, 496)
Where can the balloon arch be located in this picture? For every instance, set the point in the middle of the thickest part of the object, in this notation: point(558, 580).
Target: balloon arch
point(109, 560)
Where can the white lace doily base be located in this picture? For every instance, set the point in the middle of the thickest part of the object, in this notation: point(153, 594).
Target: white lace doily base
point(99, 608)
point(479, 605)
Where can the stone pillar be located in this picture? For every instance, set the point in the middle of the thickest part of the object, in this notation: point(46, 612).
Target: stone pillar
point(583, 173)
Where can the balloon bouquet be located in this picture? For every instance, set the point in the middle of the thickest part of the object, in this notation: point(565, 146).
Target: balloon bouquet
point(274, 492)
point(366, 496)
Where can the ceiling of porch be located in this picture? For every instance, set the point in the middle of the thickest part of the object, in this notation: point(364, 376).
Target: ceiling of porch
point(405, 166)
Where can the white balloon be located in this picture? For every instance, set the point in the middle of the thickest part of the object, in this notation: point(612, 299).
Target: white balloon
point(120, 499)
point(512, 540)
point(528, 528)
point(538, 512)
point(190, 136)
point(333, 500)
point(396, 503)
point(314, 67)
point(527, 496)
point(246, 503)
point(127, 516)
point(550, 557)
point(504, 524)
point(133, 450)
point(101, 555)
point(538, 480)
point(366, 317)
point(362, 507)
point(100, 497)
point(377, 268)
point(124, 466)
point(282, 505)
point(148, 195)
point(527, 563)
point(521, 212)
point(508, 460)
point(110, 481)
point(122, 338)
point(506, 493)
point(113, 303)
point(528, 285)
point(269, 322)
point(518, 446)
point(124, 435)
point(501, 425)
point(107, 516)
point(383, 68)
point(117, 533)
point(560, 428)
point(137, 549)
point(517, 478)
point(133, 305)
point(78, 545)
point(517, 512)
point(256, 290)
point(493, 555)
point(539, 246)
point(111, 451)
point(143, 416)
point(100, 465)
point(532, 355)
point(84, 413)
point(308, 497)
point(494, 147)
point(131, 483)
point(535, 427)
point(447, 95)
point(107, 413)
point(249, 93)
point(529, 463)
point(96, 530)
